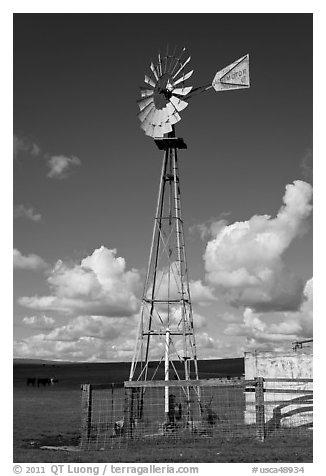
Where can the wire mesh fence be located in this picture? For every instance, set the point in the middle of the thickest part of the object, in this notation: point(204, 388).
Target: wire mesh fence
point(175, 412)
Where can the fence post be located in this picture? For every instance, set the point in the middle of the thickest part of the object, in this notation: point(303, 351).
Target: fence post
point(260, 409)
point(128, 412)
point(112, 407)
point(86, 414)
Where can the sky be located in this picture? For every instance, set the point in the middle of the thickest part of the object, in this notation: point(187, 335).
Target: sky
point(86, 181)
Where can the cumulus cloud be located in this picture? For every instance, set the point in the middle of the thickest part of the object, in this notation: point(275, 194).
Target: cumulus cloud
point(260, 333)
point(23, 144)
point(39, 322)
point(174, 318)
point(98, 285)
point(99, 327)
point(244, 259)
point(209, 228)
point(20, 211)
point(60, 166)
point(168, 285)
point(31, 261)
point(201, 294)
point(84, 349)
point(85, 338)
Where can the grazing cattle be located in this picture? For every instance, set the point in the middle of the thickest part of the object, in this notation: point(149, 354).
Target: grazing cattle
point(31, 381)
point(43, 381)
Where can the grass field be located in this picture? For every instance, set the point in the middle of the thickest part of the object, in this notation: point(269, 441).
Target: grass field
point(50, 416)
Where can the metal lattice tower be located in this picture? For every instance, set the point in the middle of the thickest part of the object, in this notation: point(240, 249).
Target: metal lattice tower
point(166, 330)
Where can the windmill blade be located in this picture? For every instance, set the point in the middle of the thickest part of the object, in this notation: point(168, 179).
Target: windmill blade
point(234, 76)
point(178, 103)
point(158, 131)
point(143, 102)
point(181, 67)
point(182, 91)
point(162, 118)
point(145, 92)
point(173, 61)
point(174, 117)
point(147, 122)
point(166, 59)
point(156, 118)
point(183, 78)
point(142, 115)
point(148, 80)
point(178, 60)
point(165, 115)
point(166, 127)
point(148, 129)
point(149, 116)
point(160, 64)
point(151, 120)
point(154, 70)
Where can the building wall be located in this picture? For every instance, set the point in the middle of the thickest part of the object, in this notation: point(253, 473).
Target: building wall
point(289, 365)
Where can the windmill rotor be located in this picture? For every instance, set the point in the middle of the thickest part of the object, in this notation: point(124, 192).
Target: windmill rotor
point(163, 96)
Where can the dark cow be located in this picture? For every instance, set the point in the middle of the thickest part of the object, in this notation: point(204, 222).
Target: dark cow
point(31, 381)
point(43, 381)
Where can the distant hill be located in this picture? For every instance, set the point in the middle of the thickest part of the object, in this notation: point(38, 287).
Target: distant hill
point(204, 366)
point(40, 361)
point(73, 374)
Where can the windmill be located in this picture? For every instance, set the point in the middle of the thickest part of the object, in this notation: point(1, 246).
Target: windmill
point(166, 329)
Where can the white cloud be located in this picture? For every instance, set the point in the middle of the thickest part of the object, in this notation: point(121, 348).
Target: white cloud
point(84, 338)
point(31, 261)
point(23, 144)
point(91, 326)
point(39, 346)
point(168, 286)
point(60, 165)
point(209, 228)
point(244, 259)
point(175, 317)
point(99, 285)
point(289, 326)
point(20, 211)
point(39, 322)
point(201, 294)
